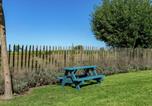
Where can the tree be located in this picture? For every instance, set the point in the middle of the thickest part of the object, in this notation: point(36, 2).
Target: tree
point(5, 65)
point(123, 23)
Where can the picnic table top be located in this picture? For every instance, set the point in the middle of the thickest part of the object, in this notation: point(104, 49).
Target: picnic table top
point(79, 68)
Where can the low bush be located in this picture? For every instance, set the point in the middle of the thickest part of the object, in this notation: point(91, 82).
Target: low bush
point(20, 82)
point(41, 77)
point(24, 80)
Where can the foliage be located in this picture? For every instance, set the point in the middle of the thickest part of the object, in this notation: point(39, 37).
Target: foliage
point(130, 89)
point(20, 85)
point(41, 77)
point(22, 81)
point(124, 23)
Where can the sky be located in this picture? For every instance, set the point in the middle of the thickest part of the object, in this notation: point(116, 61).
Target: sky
point(50, 22)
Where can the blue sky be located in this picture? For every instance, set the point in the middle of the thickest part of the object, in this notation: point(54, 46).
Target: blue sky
point(50, 22)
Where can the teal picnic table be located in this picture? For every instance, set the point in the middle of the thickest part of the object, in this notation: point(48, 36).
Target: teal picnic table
point(89, 73)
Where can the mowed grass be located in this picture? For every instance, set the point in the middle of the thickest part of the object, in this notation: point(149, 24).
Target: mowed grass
point(129, 89)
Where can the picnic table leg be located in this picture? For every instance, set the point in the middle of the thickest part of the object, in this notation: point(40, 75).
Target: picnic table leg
point(77, 84)
point(78, 87)
point(64, 78)
point(63, 81)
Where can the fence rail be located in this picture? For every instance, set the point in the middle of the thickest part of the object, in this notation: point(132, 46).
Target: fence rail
point(28, 58)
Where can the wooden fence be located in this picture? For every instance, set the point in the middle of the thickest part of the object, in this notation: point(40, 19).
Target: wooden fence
point(54, 58)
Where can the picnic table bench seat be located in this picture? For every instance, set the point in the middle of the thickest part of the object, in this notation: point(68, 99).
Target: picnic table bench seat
point(89, 78)
point(80, 78)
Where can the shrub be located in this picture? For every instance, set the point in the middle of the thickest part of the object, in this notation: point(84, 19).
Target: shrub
point(41, 77)
point(24, 80)
point(20, 82)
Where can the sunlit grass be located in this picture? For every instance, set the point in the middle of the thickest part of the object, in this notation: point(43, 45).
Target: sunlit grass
point(130, 89)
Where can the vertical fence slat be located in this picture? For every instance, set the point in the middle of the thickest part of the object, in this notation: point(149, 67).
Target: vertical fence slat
point(29, 57)
point(9, 57)
point(49, 54)
point(40, 57)
point(32, 67)
point(18, 53)
point(25, 64)
point(13, 57)
point(22, 53)
point(36, 58)
point(46, 55)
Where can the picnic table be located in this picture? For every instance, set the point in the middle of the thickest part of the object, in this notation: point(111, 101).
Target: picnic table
point(89, 73)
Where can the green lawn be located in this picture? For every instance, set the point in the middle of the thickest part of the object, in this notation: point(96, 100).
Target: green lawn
point(130, 89)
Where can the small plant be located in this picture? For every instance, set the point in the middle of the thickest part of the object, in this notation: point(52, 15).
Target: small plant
point(24, 80)
point(41, 77)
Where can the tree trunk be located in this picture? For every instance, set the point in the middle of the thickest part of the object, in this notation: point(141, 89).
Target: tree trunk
point(5, 65)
